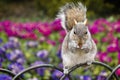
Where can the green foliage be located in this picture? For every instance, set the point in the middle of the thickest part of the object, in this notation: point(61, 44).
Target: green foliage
point(50, 8)
point(44, 8)
point(95, 8)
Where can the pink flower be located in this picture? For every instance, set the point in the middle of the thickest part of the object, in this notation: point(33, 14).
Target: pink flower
point(118, 72)
point(108, 38)
point(103, 57)
point(6, 23)
point(101, 25)
point(29, 36)
point(1, 27)
point(42, 39)
point(56, 26)
point(61, 40)
point(112, 47)
point(62, 33)
point(30, 27)
point(94, 29)
point(44, 29)
point(116, 26)
point(51, 42)
point(95, 40)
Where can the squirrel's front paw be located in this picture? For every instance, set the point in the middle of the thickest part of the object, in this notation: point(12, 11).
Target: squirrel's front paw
point(74, 44)
point(77, 46)
point(86, 50)
point(83, 47)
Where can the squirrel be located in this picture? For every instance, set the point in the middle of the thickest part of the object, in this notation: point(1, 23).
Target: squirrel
point(78, 45)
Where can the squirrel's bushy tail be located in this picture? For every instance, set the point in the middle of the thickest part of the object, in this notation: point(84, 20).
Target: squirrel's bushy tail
point(71, 12)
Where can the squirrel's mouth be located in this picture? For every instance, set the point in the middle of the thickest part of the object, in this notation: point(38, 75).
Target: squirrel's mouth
point(80, 43)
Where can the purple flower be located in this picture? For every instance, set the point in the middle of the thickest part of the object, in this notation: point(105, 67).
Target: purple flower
point(1, 60)
point(21, 60)
point(56, 75)
point(102, 76)
point(2, 50)
point(13, 39)
point(85, 77)
point(5, 77)
point(59, 54)
point(60, 65)
point(12, 44)
point(40, 71)
point(43, 54)
point(16, 56)
point(1, 40)
point(15, 67)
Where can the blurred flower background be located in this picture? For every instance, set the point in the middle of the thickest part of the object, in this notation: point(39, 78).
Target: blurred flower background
point(26, 40)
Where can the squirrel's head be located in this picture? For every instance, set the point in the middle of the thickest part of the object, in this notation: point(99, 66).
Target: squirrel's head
point(80, 31)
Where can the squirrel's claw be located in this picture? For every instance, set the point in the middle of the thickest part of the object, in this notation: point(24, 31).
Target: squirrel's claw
point(65, 70)
point(89, 62)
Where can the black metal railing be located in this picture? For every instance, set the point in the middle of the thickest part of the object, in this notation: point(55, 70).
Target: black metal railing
point(18, 76)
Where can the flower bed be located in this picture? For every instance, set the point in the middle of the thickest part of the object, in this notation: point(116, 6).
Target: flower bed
point(27, 44)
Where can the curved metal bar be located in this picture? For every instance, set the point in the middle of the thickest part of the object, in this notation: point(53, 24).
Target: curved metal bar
point(95, 62)
point(113, 72)
point(35, 67)
point(7, 71)
point(63, 77)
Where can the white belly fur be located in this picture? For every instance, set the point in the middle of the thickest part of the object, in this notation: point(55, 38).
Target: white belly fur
point(73, 59)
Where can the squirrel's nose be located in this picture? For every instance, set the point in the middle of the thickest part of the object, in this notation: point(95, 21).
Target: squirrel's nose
point(80, 36)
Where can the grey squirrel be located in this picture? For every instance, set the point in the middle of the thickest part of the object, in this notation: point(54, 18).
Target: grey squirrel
point(78, 45)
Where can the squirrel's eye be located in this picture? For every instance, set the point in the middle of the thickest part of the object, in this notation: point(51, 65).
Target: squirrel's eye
point(74, 32)
point(85, 32)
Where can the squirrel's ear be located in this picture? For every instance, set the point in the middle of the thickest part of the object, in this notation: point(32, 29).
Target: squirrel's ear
point(85, 22)
point(75, 22)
